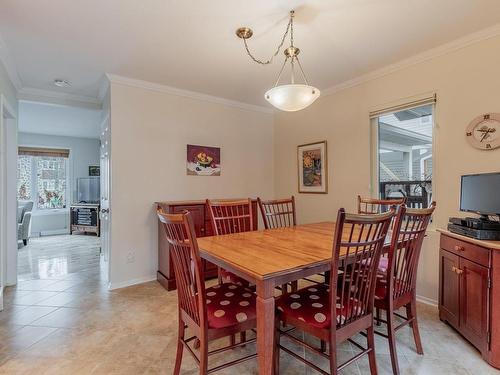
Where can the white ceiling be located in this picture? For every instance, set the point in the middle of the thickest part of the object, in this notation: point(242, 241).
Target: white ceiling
point(51, 119)
point(190, 44)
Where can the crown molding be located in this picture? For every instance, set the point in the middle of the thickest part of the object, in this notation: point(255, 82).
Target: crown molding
point(441, 50)
point(113, 78)
point(10, 67)
point(103, 88)
point(58, 98)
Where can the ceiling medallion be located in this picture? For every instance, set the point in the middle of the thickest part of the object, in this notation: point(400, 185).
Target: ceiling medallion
point(292, 96)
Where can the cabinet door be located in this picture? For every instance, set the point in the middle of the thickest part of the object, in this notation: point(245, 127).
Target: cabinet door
point(474, 302)
point(449, 296)
point(198, 215)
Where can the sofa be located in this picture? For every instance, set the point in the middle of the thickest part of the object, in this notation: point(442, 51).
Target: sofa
point(24, 209)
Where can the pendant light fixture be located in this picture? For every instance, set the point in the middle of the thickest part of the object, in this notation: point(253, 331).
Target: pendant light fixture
point(291, 96)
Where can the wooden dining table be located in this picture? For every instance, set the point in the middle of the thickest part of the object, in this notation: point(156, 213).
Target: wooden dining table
point(270, 258)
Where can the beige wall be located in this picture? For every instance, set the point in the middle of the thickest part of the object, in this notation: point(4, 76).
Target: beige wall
point(150, 131)
point(467, 83)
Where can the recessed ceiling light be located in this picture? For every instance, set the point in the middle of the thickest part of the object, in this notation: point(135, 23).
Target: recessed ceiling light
point(61, 83)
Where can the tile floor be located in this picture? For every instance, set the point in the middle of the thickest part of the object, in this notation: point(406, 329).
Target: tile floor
point(61, 319)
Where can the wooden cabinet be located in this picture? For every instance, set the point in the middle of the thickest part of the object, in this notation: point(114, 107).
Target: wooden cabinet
point(469, 291)
point(203, 228)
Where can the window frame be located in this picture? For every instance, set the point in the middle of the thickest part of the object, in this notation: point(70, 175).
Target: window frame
point(34, 183)
point(374, 145)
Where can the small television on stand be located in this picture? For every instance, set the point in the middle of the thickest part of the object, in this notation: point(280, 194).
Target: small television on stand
point(480, 194)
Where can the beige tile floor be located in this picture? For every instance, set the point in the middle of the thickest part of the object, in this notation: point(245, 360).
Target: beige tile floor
point(61, 319)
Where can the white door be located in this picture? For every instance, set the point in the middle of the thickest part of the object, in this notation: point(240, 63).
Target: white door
point(105, 214)
point(8, 203)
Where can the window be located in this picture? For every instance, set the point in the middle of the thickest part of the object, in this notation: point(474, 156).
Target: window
point(404, 155)
point(42, 177)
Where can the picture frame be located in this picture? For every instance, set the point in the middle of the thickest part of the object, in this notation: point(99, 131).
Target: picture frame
point(312, 168)
point(94, 170)
point(203, 160)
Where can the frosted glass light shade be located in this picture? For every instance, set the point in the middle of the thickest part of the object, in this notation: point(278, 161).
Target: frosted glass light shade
point(292, 97)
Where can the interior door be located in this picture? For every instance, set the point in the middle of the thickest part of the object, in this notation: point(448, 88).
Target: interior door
point(3, 200)
point(105, 214)
point(449, 296)
point(474, 302)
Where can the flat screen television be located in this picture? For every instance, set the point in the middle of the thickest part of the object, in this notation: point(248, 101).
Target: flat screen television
point(480, 193)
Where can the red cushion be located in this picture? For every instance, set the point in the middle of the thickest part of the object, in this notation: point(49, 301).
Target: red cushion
point(381, 287)
point(311, 305)
point(229, 277)
point(229, 304)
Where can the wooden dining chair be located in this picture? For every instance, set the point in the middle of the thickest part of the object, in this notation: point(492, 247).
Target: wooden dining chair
point(396, 288)
point(209, 313)
point(376, 206)
point(337, 311)
point(279, 213)
point(230, 217)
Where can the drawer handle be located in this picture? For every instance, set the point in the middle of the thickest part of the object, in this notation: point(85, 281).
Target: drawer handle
point(459, 248)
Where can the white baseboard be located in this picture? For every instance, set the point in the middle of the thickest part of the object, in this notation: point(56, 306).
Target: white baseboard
point(427, 301)
point(54, 232)
point(124, 284)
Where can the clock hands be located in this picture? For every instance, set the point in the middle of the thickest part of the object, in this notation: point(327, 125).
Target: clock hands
point(486, 132)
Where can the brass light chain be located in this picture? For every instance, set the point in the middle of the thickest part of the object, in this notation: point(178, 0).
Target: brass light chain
point(289, 28)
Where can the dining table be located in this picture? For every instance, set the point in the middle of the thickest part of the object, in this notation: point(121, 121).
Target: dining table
point(270, 258)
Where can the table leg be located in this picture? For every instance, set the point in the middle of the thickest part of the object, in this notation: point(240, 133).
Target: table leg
point(265, 332)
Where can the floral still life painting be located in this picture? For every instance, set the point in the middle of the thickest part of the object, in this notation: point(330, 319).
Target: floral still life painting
point(203, 161)
point(312, 165)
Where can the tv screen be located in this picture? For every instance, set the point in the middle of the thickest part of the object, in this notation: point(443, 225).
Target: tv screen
point(480, 193)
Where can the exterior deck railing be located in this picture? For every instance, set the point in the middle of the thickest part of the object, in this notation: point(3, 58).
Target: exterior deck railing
point(418, 193)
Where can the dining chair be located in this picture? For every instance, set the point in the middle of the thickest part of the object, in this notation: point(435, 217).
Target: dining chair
point(209, 313)
point(374, 206)
point(337, 311)
point(396, 288)
point(279, 213)
point(230, 217)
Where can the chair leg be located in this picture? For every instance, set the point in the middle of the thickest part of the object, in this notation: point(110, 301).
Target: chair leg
point(377, 315)
point(370, 338)
point(295, 285)
point(284, 288)
point(323, 346)
point(232, 339)
point(180, 348)
point(411, 312)
point(219, 276)
point(243, 337)
point(204, 357)
point(333, 356)
point(391, 333)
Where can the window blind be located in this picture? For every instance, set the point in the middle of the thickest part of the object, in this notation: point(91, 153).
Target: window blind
point(47, 152)
point(411, 103)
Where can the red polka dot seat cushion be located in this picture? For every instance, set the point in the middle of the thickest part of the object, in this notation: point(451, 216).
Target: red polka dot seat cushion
point(229, 304)
point(311, 305)
point(229, 277)
point(382, 287)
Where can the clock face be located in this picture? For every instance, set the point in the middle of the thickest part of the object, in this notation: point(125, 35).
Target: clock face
point(484, 131)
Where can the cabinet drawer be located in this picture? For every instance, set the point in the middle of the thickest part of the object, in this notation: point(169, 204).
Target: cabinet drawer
point(466, 250)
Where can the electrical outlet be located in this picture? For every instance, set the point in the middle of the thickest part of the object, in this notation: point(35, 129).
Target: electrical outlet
point(131, 257)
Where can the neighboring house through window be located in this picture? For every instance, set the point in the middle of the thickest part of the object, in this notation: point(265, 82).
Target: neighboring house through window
point(42, 177)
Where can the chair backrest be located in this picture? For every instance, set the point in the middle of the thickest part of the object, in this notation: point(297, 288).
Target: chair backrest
point(180, 234)
point(377, 206)
point(358, 243)
point(231, 216)
point(278, 213)
point(406, 244)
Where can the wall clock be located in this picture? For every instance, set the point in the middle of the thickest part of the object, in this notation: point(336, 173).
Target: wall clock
point(484, 131)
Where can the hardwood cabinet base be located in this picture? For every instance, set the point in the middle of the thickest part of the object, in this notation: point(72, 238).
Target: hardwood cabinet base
point(469, 291)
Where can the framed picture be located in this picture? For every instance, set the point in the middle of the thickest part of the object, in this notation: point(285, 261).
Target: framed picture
point(203, 161)
point(312, 168)
point(94, 170)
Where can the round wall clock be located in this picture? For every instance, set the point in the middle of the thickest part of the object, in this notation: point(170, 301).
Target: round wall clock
point(484, 131)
